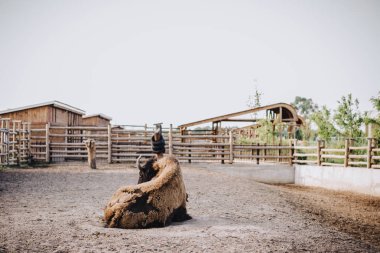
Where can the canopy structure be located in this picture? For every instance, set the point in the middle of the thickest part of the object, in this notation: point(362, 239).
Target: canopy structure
point(279, 113)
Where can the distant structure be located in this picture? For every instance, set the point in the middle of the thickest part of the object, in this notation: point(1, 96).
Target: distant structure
point(276, 113)
point(56, 113)
point(99, 119)
point(53, 112)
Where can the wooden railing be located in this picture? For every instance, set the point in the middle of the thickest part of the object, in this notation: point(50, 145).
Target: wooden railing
point(349, 155)
point(116, 144)
point(14, 142)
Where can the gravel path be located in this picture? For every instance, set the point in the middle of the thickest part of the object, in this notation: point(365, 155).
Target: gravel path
point(59, 209)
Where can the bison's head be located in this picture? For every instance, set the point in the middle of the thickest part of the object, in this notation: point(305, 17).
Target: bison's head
point(147, 171)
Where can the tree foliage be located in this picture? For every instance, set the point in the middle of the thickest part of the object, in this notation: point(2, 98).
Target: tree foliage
point(348, 118)
point(305, 106)
point(255, 99)
point(324, 121)
point(375, 121)
point(376, 102)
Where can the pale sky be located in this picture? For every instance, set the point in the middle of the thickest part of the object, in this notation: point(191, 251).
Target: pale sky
point(181, 61)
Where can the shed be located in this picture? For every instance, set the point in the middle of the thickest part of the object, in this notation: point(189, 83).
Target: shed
point(99, 119)
point(53, 112)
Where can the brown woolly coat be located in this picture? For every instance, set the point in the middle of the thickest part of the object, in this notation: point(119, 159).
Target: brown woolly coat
point(151, 204)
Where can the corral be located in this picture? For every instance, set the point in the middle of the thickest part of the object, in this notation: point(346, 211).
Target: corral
point(59, 209)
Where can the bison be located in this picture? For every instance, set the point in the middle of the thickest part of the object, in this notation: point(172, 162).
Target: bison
point(158, 199)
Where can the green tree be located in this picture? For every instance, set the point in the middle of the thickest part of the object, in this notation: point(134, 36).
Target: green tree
point(266, 130)
point(374, 121)
point(348, 118)
point(304, 106)
point(324, 121)
point(254, 101)
point(376, 102)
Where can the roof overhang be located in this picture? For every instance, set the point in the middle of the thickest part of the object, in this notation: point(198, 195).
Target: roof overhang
point(100, 115)
point(54, 103)
point(283, 107)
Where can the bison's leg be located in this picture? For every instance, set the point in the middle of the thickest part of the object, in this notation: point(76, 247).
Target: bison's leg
point(180, 214)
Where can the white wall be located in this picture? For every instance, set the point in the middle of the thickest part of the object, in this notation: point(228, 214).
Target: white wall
point(361, 180)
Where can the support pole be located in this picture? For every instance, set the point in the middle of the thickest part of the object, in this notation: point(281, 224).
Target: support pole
point(369, 153)
point(47, 142)
point(2, 152)
point(346, 152)
point(109, 143)
point(171, 139)
point(29, 138)
point(23, 146)
point(291, 143)
point(231, 148)
point(319, 152)
point(6, 138)
point(258, 153)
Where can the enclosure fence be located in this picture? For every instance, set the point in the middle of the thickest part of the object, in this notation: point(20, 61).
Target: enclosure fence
point(14, 142)
point(19, 143)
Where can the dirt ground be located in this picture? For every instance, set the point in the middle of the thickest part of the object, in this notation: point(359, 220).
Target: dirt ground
point(59, 209)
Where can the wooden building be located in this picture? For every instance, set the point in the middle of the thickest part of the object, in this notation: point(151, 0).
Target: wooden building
point(96, 120)
point(53, 112)
point(276, 113)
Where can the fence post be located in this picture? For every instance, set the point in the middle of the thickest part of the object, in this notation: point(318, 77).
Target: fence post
point(2, 147)
point(265, 152)
point(171, 139)
point(346, 152)
point(47, 158)
point(369, 153)
point(2, 152)
point(291, 152)
point(24, 143)
point(6, 138)
point(319, 152)
point(109, 143)
point(258, 154)
point(29, 139)
point(231, 148)
point(19, 141)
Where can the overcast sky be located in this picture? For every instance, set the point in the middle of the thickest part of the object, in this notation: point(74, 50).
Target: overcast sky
point(180, 61)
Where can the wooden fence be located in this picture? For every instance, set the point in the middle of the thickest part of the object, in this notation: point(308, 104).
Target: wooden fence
point(14, 142)
point(47, 143)
point(350, 155)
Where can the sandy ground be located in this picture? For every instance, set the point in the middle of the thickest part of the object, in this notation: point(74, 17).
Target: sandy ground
point(59, 209)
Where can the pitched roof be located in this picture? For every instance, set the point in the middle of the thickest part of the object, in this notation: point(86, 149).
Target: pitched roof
point(54, 103)
point(100, 115)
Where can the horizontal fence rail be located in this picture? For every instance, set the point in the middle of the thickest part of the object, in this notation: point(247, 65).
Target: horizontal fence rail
point(21, 143)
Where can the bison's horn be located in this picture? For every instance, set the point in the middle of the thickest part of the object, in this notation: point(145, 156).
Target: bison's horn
point(138, 165)
point(157, 135)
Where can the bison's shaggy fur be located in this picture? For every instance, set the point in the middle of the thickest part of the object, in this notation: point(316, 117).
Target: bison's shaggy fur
point(155, 203)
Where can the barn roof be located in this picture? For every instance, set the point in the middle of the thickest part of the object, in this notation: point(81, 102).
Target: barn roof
point(289, 114)
point(54, 103)
point(100, 115)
